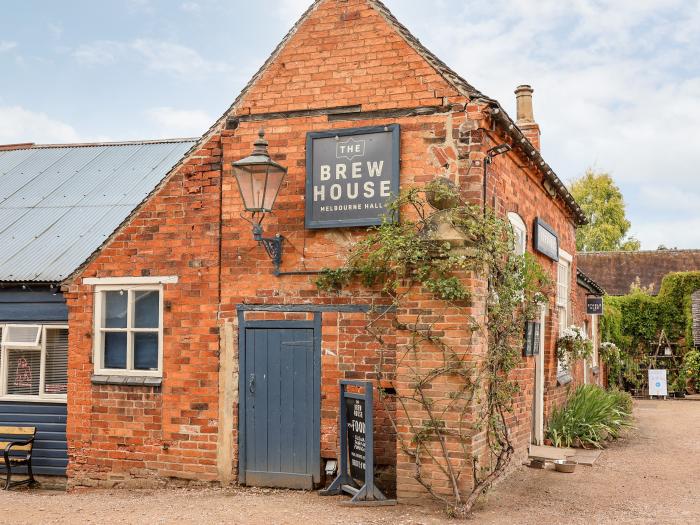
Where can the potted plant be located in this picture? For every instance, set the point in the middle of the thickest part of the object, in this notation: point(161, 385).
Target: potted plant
point(572, 346)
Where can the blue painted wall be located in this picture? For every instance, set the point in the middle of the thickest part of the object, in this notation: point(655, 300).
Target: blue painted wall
point(40, 304)
point(35, 303)
point(50, 455)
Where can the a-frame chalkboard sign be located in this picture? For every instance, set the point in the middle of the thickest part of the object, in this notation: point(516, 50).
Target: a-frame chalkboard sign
point(357, 447)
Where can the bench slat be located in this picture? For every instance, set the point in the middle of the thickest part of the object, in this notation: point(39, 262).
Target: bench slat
point(18, 430)
point(3, 444)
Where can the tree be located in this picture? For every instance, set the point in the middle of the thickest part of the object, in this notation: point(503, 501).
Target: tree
point(602, 202)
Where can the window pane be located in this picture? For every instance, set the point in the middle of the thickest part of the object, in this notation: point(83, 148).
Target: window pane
point(115, 349)
point(23, 371)
point(146, 305)
point(24, 335)
point(56, 368)
point(115, 309)
point(146, 351)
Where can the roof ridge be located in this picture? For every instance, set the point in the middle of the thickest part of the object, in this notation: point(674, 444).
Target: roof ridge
point(31, 145)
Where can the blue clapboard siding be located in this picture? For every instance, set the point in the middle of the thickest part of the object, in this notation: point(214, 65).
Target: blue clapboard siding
point(36, 303)
point(50, 454)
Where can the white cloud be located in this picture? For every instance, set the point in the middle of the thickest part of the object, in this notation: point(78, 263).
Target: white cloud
point(190, 7)
point(616, 86)
point(174, 58)
point(56, 29)
point(140, 6)
point(156, 55)
point(673, 233)
point(21, 125)
point(6, 45)
point(100, 52)
point(171, 122)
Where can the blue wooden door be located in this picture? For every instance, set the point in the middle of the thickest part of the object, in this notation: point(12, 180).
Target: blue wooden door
point(281, 407)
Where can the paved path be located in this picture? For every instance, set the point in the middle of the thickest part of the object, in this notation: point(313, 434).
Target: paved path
point(651, 477)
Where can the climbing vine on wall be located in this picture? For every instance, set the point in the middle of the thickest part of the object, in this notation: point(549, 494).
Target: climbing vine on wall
point(438, 249)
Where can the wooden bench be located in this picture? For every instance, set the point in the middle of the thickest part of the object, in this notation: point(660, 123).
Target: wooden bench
point(17, 444)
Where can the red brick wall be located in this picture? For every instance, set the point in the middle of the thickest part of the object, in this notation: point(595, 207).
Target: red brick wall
point(515, 186)
point(116, 434)
point(191, 228)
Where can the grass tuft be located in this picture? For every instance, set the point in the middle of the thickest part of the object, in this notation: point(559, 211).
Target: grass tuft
point(590, 416)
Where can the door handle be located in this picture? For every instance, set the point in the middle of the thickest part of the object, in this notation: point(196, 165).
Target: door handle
point(251, 383)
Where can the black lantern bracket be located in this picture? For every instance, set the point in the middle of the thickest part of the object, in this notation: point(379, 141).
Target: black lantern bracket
point(272, 245)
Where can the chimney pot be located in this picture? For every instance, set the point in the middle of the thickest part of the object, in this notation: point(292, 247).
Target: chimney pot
point(525, 118)
point(523, 98)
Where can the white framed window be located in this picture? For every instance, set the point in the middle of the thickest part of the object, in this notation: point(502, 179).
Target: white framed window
point(564, 285)
point(563, 296)
point(128, 335)
point(33, 362)
point(519, 233)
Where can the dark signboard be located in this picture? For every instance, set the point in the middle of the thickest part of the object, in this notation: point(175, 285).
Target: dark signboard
point(351, 175)
point(357, 441)
point(532, 338)
point(356, 446)
point(594, 305)
point(546, 240)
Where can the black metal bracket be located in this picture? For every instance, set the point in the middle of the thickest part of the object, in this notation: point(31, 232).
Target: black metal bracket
point(272, 245)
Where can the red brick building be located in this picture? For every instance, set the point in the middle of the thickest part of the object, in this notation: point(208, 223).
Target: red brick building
point(168, 317)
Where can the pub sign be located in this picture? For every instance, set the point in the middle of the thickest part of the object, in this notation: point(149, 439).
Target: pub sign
point(594, 305)
point(351, 176)
point(546, 239)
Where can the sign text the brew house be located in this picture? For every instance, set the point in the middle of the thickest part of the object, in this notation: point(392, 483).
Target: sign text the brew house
point(351, 175)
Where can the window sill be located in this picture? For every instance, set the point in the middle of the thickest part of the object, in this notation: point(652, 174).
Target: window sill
point(32, 399)
point(126, 380)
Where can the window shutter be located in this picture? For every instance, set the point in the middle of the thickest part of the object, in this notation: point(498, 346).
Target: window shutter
point(56, 365)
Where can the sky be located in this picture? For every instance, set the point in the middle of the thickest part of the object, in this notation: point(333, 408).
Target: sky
point(617, 82)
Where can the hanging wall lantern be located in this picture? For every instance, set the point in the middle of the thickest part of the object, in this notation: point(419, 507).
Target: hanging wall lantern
point(259, 180)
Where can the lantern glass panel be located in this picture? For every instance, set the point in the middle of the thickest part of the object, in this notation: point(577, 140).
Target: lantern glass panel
point(274, 182)
point(245, 185)
point(259, 183)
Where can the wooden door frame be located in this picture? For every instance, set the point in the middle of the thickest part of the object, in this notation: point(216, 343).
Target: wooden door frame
point(538, 398)
point(314, 325)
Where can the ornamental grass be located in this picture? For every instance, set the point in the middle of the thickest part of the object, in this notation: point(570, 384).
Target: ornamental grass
point(590, 417)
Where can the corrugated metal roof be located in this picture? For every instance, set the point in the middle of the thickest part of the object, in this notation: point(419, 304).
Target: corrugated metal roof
point(58, 203)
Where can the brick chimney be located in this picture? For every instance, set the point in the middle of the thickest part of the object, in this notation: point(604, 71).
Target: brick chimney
point(526, 120)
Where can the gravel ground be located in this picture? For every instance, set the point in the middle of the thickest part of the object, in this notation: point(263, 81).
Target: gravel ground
point(652, 476)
